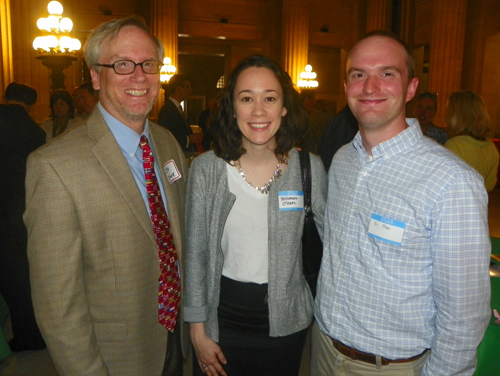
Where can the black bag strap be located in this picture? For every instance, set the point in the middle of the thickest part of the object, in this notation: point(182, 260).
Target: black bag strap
point(305, 173)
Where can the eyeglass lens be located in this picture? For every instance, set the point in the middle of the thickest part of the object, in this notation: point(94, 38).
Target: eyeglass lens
point(128, 66)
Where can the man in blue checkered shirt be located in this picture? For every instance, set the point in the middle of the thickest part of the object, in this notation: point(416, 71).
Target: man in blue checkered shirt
point(404, 285)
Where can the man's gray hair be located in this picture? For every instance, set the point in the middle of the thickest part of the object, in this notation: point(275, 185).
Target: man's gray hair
point(109, 30)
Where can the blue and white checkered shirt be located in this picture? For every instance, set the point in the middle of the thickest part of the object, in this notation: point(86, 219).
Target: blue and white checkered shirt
point(406, 253)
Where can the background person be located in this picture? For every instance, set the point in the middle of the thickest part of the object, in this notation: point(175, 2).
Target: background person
point(308, 101)
point(19, 136)
point(425, 110)
point(172, 115)
point(340, 131)
point(204, 121)
point(246, 299)
point(79, 111)
point(62, 115)
point(97, 224)
point(87, 99)
point(318, 120)
point(469, 122)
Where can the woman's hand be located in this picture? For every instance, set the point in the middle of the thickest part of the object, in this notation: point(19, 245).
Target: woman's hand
point(208, 353)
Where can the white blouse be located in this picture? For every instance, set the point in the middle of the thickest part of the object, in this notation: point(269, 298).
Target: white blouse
point(245, 235)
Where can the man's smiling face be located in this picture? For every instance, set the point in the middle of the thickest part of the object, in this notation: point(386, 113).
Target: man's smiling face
point(129, 97)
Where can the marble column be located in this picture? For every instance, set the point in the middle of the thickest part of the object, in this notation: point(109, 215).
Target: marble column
point(295, 37)
point(165, 26)
point(378, 15)
point(6, 72)
point(446, 51)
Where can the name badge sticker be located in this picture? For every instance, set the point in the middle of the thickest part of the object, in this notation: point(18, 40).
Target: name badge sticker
point(291, 200)
point(386, 229)
point(172, 171)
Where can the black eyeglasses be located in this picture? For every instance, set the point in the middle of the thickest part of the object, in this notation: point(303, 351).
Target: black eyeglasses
point(128, 66)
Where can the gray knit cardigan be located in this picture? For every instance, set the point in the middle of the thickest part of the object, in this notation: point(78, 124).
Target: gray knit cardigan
point(208, 203)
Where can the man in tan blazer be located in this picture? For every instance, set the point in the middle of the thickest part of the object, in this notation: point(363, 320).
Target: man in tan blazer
point(92, 250)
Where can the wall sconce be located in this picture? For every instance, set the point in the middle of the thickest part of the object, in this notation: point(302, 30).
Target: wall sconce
point(55, 47)
point(307, 79)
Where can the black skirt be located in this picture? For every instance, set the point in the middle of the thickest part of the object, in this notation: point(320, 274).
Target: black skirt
point(243, 315)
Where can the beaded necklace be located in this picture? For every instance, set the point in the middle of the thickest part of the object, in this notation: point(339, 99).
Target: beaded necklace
point(276, 175)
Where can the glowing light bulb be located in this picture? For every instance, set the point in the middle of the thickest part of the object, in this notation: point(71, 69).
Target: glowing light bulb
point(38, 43)
point(43, 24)
point(53, 22)
point(65, 24)
point(65, 43)
point(51, 41)
point(75, 44)
point(55, 7)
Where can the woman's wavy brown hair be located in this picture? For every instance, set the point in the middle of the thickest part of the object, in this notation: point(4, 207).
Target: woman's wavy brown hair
point(227, 136)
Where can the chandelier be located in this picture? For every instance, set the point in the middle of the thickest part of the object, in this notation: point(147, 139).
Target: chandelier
point(55, 31)
point(307, 79)
point(55, 47)
point(167, 70)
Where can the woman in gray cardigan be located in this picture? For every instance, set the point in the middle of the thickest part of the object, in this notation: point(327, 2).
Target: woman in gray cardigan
point(245, 296)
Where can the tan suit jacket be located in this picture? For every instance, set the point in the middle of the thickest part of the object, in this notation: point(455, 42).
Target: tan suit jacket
point(93, 258)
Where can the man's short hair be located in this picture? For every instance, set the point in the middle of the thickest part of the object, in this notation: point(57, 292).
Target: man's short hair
point(21, 93)
point(88, 87)
point(410, 62)
point(176, 80)
point(108, 31)
point(431, 96)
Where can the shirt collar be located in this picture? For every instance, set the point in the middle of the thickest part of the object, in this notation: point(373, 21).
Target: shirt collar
point(402, 141)
point(127, 138)
point(174, 101)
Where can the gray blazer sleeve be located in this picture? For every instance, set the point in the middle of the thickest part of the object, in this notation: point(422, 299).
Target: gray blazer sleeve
point(197, 253)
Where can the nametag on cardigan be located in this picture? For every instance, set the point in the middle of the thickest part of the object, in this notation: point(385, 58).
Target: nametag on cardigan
point(172, 171)
point(291, 200)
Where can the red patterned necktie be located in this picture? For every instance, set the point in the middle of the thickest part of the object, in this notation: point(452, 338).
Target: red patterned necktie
point(169, 292)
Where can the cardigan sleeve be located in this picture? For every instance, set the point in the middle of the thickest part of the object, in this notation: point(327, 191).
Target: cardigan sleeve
point(196, 252)
point(318, 191)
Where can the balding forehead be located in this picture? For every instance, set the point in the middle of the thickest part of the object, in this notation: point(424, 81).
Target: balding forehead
point(386, 42)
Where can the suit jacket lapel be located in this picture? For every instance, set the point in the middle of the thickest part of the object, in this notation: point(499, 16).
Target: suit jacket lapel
point(182, 115)
point(108, 153)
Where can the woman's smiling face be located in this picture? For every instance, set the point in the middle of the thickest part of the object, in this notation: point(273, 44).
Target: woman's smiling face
point(258, 106)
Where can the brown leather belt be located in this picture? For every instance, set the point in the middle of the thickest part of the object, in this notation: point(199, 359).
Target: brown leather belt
point(367, 357)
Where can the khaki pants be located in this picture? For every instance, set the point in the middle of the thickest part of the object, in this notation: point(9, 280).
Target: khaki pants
point(327, 361)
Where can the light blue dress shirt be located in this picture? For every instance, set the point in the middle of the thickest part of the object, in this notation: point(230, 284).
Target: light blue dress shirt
point(406, 253)
point(128, 140)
